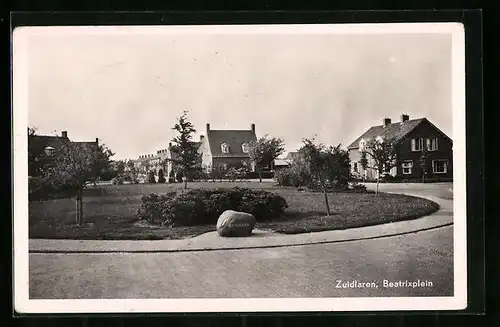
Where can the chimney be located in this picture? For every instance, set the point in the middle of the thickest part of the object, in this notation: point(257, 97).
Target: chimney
point(253, 128)
point(169, 145)
point(404, 117)
point(387, 121)
point(64, 134)
point(208, 128)
point(201, 138)
point(97, 140)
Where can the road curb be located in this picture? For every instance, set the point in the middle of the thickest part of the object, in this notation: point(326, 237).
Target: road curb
point(242, 248)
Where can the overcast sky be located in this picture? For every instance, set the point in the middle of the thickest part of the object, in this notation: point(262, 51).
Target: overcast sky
point(127, 90)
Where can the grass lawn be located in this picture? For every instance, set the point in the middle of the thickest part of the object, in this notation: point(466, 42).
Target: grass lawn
point(110, 212)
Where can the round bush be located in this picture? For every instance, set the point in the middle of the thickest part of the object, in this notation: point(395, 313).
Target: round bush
point(204, 206)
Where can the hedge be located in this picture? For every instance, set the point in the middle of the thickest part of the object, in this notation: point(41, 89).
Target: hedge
point(204, 206)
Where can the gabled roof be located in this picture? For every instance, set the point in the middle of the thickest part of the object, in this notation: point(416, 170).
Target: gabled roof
point(395, 130)
point(234, 138)
point(83, 143)
point(55, 142)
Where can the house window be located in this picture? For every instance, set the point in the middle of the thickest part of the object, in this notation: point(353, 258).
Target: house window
point(49, 150)
point(362, 144)
point(417, 144)
point(355, 167)
point(224, 147)
point(245, 147)
point(432, 144)
point(407, 167)
point(439, 166)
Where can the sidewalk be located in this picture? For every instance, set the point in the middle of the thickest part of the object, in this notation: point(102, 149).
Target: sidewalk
point(259, 239)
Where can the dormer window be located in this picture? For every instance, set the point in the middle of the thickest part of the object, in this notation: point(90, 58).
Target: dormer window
point(224, 147)
point(245, 148)
point(380, 139)
point(49, 150)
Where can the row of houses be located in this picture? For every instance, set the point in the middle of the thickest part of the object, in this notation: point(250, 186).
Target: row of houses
point(231, 147)
point(216, 148)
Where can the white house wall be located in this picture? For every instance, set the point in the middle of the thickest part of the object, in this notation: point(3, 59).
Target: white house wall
point(206, 157)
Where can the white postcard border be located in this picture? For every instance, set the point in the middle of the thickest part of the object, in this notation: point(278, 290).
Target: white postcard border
point(22, 303)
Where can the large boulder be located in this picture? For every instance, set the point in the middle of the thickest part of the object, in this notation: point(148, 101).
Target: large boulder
point(235, 224)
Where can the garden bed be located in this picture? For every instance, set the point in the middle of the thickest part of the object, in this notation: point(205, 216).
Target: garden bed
point(110, 212)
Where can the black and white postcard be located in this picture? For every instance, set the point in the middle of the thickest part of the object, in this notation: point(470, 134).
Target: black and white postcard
point(239, 168)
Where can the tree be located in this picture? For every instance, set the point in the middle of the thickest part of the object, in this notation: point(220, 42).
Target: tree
point(184, 150)
point(317, 161)
point(263, 152)
point(75, 166)
point(171, 176)
point(380, 155)
point(131, 172)
point(338, 167)
point(151, 177)
point(161, 176)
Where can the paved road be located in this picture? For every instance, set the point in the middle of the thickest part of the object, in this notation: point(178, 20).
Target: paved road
point(301, 271)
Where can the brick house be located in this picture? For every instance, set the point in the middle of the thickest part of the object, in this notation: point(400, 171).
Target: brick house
point(411, 137)
point(226, 147)
point(52, 143)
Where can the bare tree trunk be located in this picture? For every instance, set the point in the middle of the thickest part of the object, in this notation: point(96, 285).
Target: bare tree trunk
point(79, 208)
point(378, 181)
point(260, 174)
point(326, 201)
point(77, 212)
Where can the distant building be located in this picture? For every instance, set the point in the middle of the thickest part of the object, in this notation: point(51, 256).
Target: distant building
point(226, 147)
point(411, 137)
point(285, 161)
point(164, 160)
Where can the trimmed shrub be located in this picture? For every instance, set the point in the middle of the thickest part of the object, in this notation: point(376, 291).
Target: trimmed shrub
point(204, 206)
point(297, 175)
